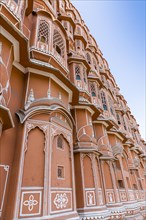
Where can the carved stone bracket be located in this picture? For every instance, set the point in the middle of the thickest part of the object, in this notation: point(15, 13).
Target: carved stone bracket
point(117, 149)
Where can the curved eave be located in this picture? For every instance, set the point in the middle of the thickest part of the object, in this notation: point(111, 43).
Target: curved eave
point(79, 59)
point(24, 115)
point(87, 150)
point(67, 18)
point(80, 37)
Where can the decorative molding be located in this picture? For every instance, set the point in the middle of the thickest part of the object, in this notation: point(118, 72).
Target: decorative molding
point(30, 203)
point(61, 200)
point(6, 169)
point(117, 149)
point(90, 198)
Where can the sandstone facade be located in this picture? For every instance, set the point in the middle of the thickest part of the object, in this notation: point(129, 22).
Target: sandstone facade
point(69, 146)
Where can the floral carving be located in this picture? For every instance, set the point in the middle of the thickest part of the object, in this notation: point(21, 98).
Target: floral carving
point(61, 200)
point(31, 202)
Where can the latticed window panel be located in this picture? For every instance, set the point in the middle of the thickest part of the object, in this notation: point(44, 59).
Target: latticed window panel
point(65, 25)
point(84, 75)
point(78, 30)
point(94, 63)
point(44, 31)
point(60, 142)
point(88, 58)
point(78, 72)
point(111, 106)
point(118, 119)
point(93, 90)
point(103, 99)
point(58, 43)
point(78, 43)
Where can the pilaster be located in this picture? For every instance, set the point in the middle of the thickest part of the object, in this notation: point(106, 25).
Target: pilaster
point(113, 181)
point(124, 178)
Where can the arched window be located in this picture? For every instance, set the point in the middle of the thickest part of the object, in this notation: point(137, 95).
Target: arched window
point(88, 58)
point(60, 142)
point(84, 75)
point(94, 64)
point(93, 90)
point(58, 43)
point(43, 34)
point(111, 106)
point(103, 99)
point(78, 30)
point(65, 25)
point(70, 29)
point(78, 72)
point(78, 43)
point(124, 123)
point(118, 119)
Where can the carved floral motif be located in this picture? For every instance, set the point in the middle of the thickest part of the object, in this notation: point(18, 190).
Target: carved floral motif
point(61, 200)
point(31, 202)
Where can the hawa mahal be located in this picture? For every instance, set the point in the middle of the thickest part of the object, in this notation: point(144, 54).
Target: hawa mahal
point(70, 147)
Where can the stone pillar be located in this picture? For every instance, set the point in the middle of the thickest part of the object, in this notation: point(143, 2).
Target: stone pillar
point(103, 180)
point(113, 181)
point(124, 178)
point(95, 178)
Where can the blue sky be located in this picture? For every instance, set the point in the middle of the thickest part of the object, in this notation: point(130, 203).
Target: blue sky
point(119, 29)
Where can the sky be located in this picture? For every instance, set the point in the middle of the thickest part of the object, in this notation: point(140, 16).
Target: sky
point(118, 27)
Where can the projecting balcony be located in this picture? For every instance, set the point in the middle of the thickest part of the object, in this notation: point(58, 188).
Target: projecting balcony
point(104, 147)
point(81, 36)
point(51, 58)
point(119, 107)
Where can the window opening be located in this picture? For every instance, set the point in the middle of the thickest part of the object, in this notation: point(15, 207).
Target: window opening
point(43, 34)
point(58, 43)
point(93, 90)
point(60, 172)
point(60, 142)
point(78, 72)
point(103, 99)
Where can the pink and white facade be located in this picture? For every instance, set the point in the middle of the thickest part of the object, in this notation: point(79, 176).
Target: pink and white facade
point(70, 147)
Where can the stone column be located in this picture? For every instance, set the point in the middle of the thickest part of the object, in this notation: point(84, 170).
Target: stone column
point(103, 180)
point(95, 178)
point(124, 178)
point(113, 181)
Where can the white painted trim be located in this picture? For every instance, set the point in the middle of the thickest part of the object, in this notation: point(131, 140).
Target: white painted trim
point(32, 188)
point(62, 166)
point(59, 189)
point(6, 168)
point(82, 174)
point(63, 210)
point(19, 66)
point(40, 203)
point(20, 173)
point(50, 217)
point(89, 189)
point(14, 42)
point(92, 191)
point(53, 77)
